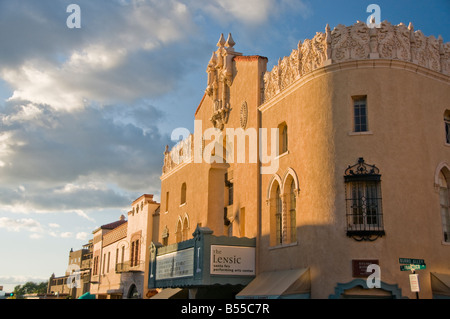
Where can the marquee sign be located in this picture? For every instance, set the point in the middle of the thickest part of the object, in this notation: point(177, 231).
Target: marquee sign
point(232, 260)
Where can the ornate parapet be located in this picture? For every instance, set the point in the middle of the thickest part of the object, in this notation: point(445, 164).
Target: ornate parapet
point(180, 153)
point(358, 42)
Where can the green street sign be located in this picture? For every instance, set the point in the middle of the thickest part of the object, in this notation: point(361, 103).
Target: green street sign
point(411, 261)
point(412, 267)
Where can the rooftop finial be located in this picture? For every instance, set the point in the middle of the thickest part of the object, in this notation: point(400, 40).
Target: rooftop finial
point(230, 42)
point(221, 42)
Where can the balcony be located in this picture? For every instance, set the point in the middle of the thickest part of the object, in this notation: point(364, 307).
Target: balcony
point(129, 267)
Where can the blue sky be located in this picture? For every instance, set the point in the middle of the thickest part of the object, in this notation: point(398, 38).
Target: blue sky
point(85, 113)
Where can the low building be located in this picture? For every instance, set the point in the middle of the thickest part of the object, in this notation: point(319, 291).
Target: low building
point(120, 251)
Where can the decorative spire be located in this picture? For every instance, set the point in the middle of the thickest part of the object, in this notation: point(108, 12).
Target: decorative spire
point(221, 42)
point(230, 42)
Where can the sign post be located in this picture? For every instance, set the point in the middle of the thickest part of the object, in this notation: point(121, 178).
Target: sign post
point(413, 265)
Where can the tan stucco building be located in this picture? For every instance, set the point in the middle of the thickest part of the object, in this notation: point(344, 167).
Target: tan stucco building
point(120, 253)
point(346, 164)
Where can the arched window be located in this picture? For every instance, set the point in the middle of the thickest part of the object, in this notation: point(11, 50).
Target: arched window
point(179, 232)
point(278, 216)
point(292, 213)
point(183, 194)
point(186, 228)
point(444, 199)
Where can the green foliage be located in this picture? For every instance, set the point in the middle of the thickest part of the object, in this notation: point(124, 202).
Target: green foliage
point(30, 288)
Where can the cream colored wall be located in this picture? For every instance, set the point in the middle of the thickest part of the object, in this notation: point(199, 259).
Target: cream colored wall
point(205, 182)
point(406, 118)
point(140, 222)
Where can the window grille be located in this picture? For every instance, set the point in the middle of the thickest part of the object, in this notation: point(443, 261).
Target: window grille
point(363, 201)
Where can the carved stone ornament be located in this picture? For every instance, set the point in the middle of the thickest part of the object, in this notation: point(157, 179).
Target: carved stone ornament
point(358, 42)
point(220, 79)
point(244, 115)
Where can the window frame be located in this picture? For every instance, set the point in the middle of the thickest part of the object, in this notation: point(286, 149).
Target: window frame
point(360, 103)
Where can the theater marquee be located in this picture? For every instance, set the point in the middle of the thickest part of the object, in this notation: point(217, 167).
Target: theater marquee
point(232, 260)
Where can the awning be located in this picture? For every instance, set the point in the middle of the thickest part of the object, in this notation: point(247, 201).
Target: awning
point(440, 284)
point(171, 293)
point(114, 291)
point(87, 295)
point(278, 284)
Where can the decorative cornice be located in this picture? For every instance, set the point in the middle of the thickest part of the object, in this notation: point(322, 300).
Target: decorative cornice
point(179, 154)
point(249, 58)
point(355, 43)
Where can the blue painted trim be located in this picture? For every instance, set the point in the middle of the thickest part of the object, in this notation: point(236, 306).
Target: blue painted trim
point(340, 288)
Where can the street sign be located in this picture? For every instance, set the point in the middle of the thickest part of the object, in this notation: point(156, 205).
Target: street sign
point(411, 261)
point(412, 267)
point(414, 282)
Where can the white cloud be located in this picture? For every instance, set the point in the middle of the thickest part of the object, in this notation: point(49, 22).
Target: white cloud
point(66, 235)
point(17, 225)
point(82, 236)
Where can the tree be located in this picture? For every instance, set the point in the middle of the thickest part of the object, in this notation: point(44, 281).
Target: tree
point(30, 288)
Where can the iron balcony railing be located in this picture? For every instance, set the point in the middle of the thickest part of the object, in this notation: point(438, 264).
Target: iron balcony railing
point(129, 267)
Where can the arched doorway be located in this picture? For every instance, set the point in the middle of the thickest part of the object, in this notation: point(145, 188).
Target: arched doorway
point(133, 293)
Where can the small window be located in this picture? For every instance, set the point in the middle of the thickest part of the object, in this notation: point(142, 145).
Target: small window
point(360, 114)
point(167, 201)
point(283, 138)
point(183, 194)
point(447, 126)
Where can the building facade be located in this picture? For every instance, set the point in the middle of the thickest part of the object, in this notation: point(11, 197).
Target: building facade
point(120, 251)
point(337, 162)
point(77, 278)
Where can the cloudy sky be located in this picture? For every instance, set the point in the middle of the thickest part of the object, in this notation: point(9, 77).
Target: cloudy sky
point(85, 113)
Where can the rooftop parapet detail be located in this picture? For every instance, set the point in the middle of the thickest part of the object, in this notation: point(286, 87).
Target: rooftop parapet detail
point(358, 42)
point(181, 153)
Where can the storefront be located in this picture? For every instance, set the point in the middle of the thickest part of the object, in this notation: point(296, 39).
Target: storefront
point(205, 266)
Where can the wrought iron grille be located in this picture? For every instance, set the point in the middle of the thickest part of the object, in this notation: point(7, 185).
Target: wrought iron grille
point(363, 201)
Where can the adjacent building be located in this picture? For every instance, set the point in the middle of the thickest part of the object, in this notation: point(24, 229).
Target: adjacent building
point(120, 250)
point(114, 263)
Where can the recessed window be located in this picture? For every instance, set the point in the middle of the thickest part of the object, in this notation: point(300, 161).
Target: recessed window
point(444, 199)
point(447, 126)
point(167, 201)
point(360, 123)
point(363, 200)
point(183, 194)
point(278, 216)
point(292, 213)
point(283, 138)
